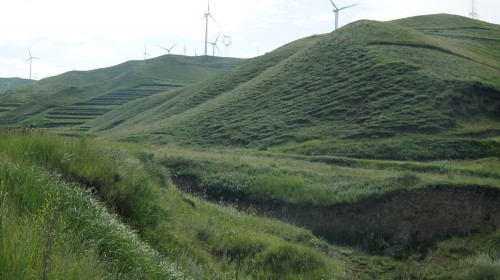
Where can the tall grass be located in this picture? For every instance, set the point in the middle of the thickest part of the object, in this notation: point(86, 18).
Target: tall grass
point(74, 172)
point(50, 212)
point(484, 267)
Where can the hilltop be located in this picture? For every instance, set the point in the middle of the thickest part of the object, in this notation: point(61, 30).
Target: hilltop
point(426, 87)
point(73, 98)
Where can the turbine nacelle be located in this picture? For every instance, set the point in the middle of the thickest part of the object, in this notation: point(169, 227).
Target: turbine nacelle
point(30, 59)
point(337, 10)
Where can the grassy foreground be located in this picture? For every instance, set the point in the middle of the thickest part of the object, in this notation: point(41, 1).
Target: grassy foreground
point(116, 216)
point(78, 208)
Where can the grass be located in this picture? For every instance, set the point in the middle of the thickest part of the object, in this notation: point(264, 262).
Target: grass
point(203, 241)
point(322, 121)
point(56, 101)
point(10, 83)
point(372, 90)
point(117, 201)
point(315, 180)
point(62, 231)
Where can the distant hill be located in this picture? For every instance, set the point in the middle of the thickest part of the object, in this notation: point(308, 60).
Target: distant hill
point(10, 83)
point(425, 88)
point(73, 98)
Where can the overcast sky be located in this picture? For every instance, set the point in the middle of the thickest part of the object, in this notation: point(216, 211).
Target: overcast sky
point(89, 34)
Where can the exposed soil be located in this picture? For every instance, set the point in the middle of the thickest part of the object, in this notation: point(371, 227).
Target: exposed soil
point(406, 218)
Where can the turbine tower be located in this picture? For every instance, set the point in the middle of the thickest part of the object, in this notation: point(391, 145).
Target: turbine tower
point(171, 48)
point(226, 40)
point(214, 45)
point(145, 52)
point(207, 15)
point(473, 10)
point(30, 59)
point(336, 11)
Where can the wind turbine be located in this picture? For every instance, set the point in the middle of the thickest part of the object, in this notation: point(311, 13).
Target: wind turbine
point(473, 10)
point(30, 59)
point(171, 48)
point(145, 52)
point(206, 16)
point(214, 45)
point(226, 40)
point(336, 11)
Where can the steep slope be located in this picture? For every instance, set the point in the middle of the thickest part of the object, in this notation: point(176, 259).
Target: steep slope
point(74, 98)
point(420, 88)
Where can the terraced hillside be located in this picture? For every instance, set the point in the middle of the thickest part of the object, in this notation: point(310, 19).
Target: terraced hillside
point(74, 98)
point(420, 88)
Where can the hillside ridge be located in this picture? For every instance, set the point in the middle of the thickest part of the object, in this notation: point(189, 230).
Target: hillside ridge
point(368, 82)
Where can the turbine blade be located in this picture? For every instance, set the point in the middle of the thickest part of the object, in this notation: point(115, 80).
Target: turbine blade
point(174, 46)
point(217, 38)
point(218, 49)
point(334, 5)
point(348, 7)
point(214, 20)
point(27, 60)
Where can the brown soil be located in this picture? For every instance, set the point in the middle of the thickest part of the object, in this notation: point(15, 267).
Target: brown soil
point(415, 218)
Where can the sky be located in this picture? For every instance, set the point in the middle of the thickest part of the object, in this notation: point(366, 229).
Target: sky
point(84, 35)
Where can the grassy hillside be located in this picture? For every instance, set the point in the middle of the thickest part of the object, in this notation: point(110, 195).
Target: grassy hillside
point(10, 83)
point(73, 98)
point(82, 209)
point(420, 88)
point(118, 202)
point(368, 153)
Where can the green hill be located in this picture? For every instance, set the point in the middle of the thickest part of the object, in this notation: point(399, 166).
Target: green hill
point(73, 98)
point(10, 83)
point(309, 162)
point(420, 88)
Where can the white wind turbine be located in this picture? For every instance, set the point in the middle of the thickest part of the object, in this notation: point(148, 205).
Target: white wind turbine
point(171, 48)
point(226, 40)
point(30, 59)
point(214, 45)
point(473, 10)
point(206, 16)
point(336, 11)
point(145, 52)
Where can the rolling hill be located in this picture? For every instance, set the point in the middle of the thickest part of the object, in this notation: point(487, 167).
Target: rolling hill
point(343, 140)
point(10, 83)
point(73, 98)
point(420, 88)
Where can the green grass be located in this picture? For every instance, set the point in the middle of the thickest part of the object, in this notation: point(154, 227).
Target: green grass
point(88, 209)
point(11, 83)
point(202, 241)
point(56, 229)
point(315, 180)
point(326, 120)
point(57, 101)
point(379, 90)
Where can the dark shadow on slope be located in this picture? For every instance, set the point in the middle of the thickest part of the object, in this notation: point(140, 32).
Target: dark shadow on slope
point(392, 223)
